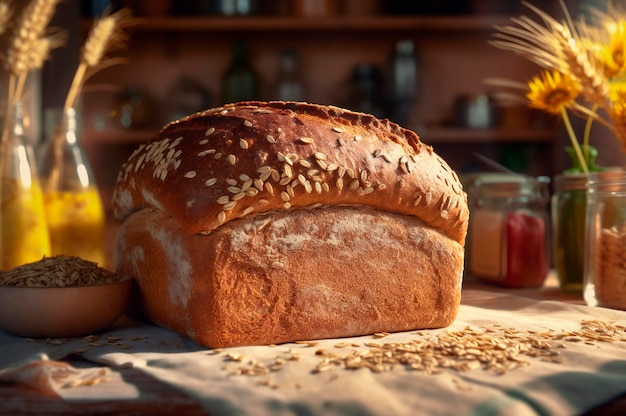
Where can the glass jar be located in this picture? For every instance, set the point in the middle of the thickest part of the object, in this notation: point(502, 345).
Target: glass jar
point(569, 203)
point(25, 237)
point(605, 240)
point(74, 209)
point(508, 230)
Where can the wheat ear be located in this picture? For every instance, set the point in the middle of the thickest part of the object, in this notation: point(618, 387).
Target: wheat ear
point(5, 16)
point(25, 48)
point(30, 28)
point(595, 86)
point(103, 35)
point(555, 45)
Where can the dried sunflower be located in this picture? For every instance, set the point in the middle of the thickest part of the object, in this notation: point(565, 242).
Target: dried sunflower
point(552, 91)
point(555, 92)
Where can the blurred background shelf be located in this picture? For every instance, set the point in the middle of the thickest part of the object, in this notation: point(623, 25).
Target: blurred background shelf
point(494, 135)
point(334, 23)
point(115, 137)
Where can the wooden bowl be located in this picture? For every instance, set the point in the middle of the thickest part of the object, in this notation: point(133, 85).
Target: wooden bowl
point(61, 312)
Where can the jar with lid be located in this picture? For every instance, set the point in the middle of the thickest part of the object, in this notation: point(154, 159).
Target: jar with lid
point(569, 203)
point(605, 240)
point(508, 241)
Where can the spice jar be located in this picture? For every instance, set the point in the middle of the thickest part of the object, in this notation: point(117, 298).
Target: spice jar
point(508, 238)
point(605, 240)
point(568, 233)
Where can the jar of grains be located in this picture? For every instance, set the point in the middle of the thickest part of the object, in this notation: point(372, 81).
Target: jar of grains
point(605, 240)
point(508, 242)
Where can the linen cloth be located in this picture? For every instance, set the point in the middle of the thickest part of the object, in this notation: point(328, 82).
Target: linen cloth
point(591, 373)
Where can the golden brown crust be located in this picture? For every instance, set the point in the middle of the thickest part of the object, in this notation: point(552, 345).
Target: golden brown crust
point(226, 163)
point(289, 276)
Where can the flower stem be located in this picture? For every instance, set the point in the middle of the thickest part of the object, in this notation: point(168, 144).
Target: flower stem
point(572, 137)
point(587, 133)
point(592, 114)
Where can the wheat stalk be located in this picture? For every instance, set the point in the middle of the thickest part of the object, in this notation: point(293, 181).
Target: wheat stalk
point(579, 63)
point(561, 46)
point(620, 131)
point(5, 16)
point(26, 50)
point(590, 54)
point(556, 46)
point(617, 113)
point(30, 28)
point(105, 33)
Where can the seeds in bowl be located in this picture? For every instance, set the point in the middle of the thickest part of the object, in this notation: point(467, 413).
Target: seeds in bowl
point(58, 271)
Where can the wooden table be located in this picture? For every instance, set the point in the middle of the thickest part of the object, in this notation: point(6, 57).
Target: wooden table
point(156, 398)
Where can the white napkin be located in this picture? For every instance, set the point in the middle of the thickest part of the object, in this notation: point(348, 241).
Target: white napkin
point(591, 373)
point(52, 377)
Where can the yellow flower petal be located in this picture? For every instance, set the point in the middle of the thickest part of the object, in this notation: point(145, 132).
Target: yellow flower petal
point(551, 91)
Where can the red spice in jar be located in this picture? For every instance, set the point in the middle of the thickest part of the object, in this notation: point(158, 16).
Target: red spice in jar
point(526, 262)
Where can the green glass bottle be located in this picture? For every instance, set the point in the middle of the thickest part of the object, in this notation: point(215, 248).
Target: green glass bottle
point(569, 204)
point(240, 81)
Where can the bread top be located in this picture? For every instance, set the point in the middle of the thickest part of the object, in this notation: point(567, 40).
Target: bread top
point(251, 157)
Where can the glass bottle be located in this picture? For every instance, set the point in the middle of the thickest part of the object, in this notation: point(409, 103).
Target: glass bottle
point(605, 240)
point(240, 81)
point(25, 237)
point(366, 91)
point(289, 86)
point(403, 82)
point(569, 204)
point(74, 209)
point(508, 230)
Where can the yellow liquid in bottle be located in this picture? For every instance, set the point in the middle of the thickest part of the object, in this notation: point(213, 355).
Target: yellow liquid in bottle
point(77, 224)
point(25, 237)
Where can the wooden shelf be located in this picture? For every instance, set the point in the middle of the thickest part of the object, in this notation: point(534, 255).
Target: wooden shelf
point(454, 23)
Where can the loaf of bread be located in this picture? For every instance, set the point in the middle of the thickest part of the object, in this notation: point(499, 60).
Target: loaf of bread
point(259, 223)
